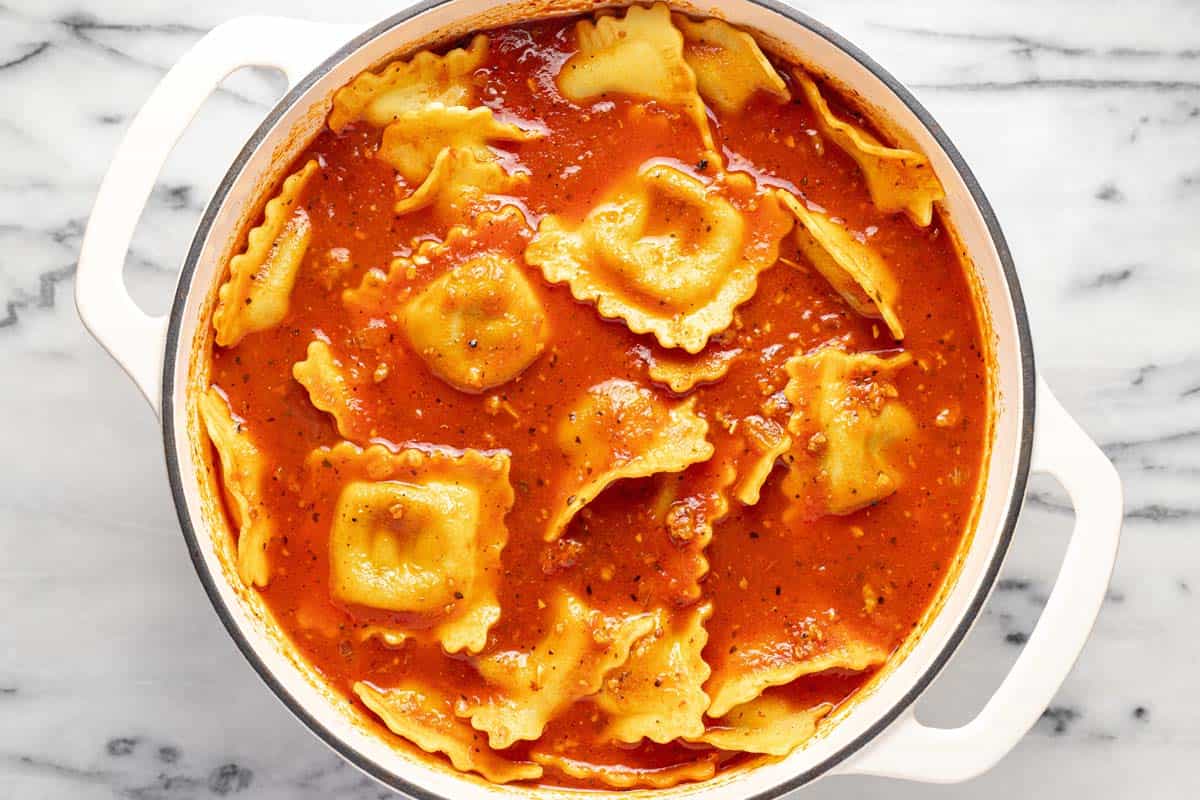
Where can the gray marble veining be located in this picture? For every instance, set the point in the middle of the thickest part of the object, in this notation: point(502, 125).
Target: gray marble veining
point(1082, 122)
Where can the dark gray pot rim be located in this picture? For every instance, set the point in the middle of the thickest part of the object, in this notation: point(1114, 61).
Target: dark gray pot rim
point(209, 581)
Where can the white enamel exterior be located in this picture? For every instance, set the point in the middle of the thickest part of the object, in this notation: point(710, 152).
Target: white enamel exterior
point(860, 743)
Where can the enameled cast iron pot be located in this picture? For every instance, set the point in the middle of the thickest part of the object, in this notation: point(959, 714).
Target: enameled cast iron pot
point(880, 735)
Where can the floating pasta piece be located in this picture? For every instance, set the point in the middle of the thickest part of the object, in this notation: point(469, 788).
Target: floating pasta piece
point(766, 442)
point(770, 724)
point(729, 66)
point(846, 419)
point(898, 179)
point(331, 386)
point(405, 86)
point(856, 272)
point(479, 325)
point(758, 665)
point(581, 646)
point(667, 253)
point(460, 185)
point(658, 694)
point(700, 767)
point(426, 718)
point(681, 375)
point(503, 232)
point(258, 291)
point(420, 533)
point(694, 503)
point(412, 143)
point(243, 470)
point(617, 430)
point(640, 55)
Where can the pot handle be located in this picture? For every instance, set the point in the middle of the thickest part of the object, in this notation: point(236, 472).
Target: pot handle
point(135, 339)
point(912, 751)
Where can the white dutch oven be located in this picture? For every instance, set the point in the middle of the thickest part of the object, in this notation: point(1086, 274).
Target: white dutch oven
point(880, 735)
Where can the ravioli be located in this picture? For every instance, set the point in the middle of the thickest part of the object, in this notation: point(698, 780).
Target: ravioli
point(700, 767)
point(681, 375)
point(420, 532)
point(617, 430)
point(413, 141)
point(770, 724)
point(666, 252)
point(479, 325)
point(460, 185)
point(853, 268)
point(658, 694)
point(898, 179)
point(766, 442)
point(332, 386)
point(425, 717)
point(694, 502)
point(757, 665)
point(846, 419)
point(257, 294)
point(243, 476)
point(728, 64)
point(579, 648)
point(406, 86)
point(640, 55)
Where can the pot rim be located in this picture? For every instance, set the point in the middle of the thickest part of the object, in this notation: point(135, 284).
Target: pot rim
point(1025, 425)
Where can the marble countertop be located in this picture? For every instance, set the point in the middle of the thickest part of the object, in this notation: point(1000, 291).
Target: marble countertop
point(1081, 120)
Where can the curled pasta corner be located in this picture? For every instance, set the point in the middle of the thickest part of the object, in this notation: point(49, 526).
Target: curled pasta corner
point(767, 442)
point(898, 179)
point(460, 184)
point(425, 717)
point(769, 724)
point(639, 54)
point(330, 388)
point(403, 86)
point(619, 430)
point(681, 375)
point(658, 694)
point(412, 142)
point(847, 418)
point(855, 270)
point(243, 468)
point(728, 64)
point(420, 531)
point(580, 648)
point(622, 776)
point(763, 668)
point(257, 293)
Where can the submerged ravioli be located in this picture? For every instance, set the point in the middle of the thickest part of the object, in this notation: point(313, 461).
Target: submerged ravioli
point(618, 430)
point(425, 717)
point(412, 142)
point(853, 268)
point(479, 325)
point(640, 55)
point(667, 253)
point(898, 179)
point(681, 375)
point(658, 694)
point(258, 291)
point(846, 418)
point(728, 64)
point(766, 442)
point(758, 665)
point(332, 386)
point(460, 185)
point(770, 724)
point(243, 472)
point(420, 532)
point(700, 767)
point(405, 86)
point(579, 648)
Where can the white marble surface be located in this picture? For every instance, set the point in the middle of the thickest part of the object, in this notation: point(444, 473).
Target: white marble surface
point(1081, 119)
